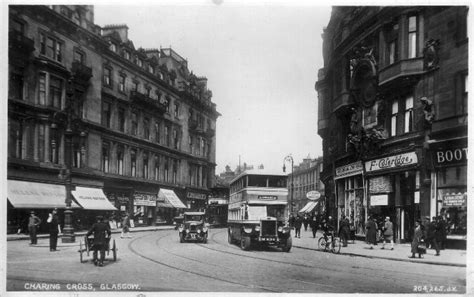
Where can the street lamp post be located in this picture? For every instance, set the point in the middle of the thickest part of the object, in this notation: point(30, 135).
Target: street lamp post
point(68, 230)
point(289, 158)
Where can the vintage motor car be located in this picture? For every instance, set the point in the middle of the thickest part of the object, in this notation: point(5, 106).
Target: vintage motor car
point(193, 228)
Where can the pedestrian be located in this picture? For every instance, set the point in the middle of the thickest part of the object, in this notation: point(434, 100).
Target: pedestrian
point(33, 224)
point(102, 233)
point(441, 222)
point(344, 230)
point(417, 240)
point(314, 223)
point(387, 233)
point(437, 234)
point(371, 232)
point(125, 227)
point(54, 230)
point(305, 222)
point(291, 221)
point(298, 223)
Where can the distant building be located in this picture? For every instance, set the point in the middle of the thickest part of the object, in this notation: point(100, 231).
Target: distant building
point(306, 178)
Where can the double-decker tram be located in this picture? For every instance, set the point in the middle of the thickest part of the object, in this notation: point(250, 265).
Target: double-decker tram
point(258, 210)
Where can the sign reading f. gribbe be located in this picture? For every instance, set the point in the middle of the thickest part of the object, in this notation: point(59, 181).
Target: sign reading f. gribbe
point(390, 162)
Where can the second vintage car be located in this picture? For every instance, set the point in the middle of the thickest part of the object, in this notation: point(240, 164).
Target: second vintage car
point(193, 228)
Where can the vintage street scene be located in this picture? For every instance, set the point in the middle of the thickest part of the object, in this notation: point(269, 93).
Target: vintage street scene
point(229, 147)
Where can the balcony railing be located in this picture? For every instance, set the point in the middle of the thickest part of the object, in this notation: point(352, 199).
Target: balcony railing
point(147, 102)
point(81, 72)
point(400, 70)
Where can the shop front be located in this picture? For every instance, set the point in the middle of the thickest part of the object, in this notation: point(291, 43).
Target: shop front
point(350, 196)
point(393, 190)
point(168, 206)
point(450, 186)
point(26, 196)
point(122, 199)
point(144, 208)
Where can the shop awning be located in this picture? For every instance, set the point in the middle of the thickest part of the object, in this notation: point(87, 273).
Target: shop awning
point(171, 197)
point(309, 207)
point(23, 194)
point(91, 198)
point(164, 204)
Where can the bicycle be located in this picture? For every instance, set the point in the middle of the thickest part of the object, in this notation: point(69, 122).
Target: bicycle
point(330, 242)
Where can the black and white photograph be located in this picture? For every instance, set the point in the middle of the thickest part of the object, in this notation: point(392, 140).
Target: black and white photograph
point(217, 147)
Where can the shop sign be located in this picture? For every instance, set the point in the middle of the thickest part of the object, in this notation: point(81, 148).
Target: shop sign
point(391, 162)
point(194, 195)
point(313, 195)
point(377, 200)
point(451, 156)
point(267, 197)
point(141, 199)
point(349, 170)
point(453, 198)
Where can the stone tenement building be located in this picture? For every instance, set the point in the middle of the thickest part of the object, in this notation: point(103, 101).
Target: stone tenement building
point(306, 178)
point(393, 115)
point(85, 104)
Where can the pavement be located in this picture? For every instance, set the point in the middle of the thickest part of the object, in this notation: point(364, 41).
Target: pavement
point(356, 248)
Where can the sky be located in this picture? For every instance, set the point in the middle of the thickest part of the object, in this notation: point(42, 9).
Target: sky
point(261, 62)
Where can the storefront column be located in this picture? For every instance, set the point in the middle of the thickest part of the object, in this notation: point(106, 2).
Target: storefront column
point(433, 195)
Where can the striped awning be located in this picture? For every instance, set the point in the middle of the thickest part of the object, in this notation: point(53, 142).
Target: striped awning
point(309, 207)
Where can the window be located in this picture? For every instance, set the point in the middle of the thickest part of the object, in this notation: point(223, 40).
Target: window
point(107, 77)
point(77, 153)
point(465, 86)
point(176, 110)
point(168, 100)
point(15, 86)
point(139, 62)
point(54, 149)
point(134, 124)
point(175, 171)
point(409, 114)
point(133, 163)
point(113, 47)
point(151, 69)
point(167, 136)
point(166, 172)
point(146, 128)
point(50, 90)
point(190, 144)
point(78, 57)
point(148, 92)
point(145, 166)
point(393, 119)
point(175, 139)
point(201, 149)
point(157, 132)
point(135, 86)
point(122, 83)
point(106, 111)
point(16, 141)
point(392, 44)
point(50, 47)
point(121, 119)
point(412, 36)
point(126, 55)
point(55, 92)
point(105, 157)
point(120, 160)
point(157, 168)
point(41, 142)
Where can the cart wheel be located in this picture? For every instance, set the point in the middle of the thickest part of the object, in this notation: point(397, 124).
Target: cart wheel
point(80, 251)
point(114, 250)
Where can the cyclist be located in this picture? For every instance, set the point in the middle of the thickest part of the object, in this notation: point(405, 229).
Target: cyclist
point(328, 228)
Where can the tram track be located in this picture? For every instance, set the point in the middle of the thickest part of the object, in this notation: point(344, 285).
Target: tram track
point(130, 246)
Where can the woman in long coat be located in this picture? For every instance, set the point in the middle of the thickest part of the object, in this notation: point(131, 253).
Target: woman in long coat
point(371, 234)
point(417, 236)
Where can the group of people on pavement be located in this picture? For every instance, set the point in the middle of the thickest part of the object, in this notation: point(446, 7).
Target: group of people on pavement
point(54, 229)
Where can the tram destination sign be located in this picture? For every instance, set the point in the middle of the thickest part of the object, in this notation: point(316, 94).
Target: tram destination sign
point(267, 197)
point(391, 162)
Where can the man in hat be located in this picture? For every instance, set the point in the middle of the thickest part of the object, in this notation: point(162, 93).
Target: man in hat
point(33, 223)
point(54, 230)
point(101, 232)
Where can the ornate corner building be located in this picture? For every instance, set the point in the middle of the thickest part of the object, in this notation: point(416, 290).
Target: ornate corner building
point(88, 106)
point(393, 115)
